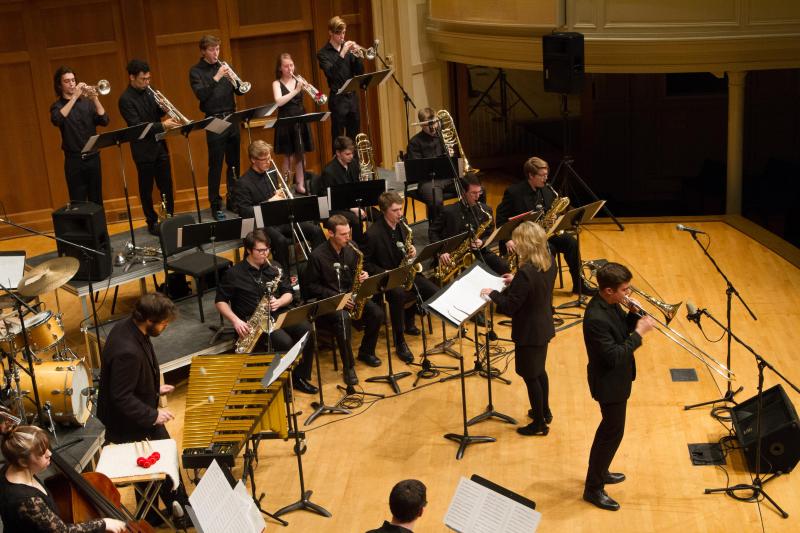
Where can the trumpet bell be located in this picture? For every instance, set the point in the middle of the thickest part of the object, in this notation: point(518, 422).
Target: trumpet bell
point(103, 87)
point(245, 86)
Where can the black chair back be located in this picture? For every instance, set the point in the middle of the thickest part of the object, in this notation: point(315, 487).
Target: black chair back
point(169, 233)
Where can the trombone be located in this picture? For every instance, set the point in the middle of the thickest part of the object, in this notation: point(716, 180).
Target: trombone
point(669, 311)
point(296, 229)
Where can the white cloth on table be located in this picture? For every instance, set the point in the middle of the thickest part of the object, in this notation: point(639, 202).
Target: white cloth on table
point(119, 460)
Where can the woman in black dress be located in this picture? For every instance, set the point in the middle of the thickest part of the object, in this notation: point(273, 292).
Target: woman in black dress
point(528, 301)
point(25, 504)
point(288, 94)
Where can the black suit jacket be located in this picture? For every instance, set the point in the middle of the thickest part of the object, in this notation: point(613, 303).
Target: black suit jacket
point(610, 339)
point(380, 248)
point(521, 198)
point(453, 219)
point(528, 301)
point(129, 385)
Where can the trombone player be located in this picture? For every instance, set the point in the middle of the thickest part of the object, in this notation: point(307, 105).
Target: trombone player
point(137, 105)
point(77, 112)
point(611, 336)
point(213, 83)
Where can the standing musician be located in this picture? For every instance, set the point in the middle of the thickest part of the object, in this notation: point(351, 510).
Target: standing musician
point(385, 249)
point(528, 301)
point(243, 287)
point(77, 112)
point(25, 502)
point(344, 168)
point(455, 218)
point(211, 84)
point(424, 145)
point(290, 104)
point(339, 65)
point(130, 384)
point(137, 106)
point(535, 194)
point(261, 184)
point(611, 336)
point(331, 270)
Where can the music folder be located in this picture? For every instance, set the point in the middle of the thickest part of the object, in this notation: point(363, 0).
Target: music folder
point(576, 217)
point(364, 81)
point(220, 504)
point(481, 506)
point(503, 233)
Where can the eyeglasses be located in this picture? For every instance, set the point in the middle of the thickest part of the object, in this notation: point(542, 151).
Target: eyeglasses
point(261, 250)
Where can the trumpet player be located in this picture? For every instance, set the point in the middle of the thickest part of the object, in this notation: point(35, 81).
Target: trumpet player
point(339, 65)
point(343, 168)
point(137, 106)
point(77, 118)
point(211, 83)
point(291, 141)
point(260, 184)
point(611, 336)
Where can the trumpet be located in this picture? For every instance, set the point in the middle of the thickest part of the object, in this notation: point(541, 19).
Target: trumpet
point(167, 107)
point(238, 84)
point(368, 53)
point(316, 94)
point(102, 88)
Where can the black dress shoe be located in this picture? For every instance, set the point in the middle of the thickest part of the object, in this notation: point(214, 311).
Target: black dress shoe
point(152, 228)
point(404, 353)
point(534, 429)
point(600, 499)
point(350, 377)
point(612, 478)
point(413, 330)
point(548, 416)
point(369, 359)
point(303, 385)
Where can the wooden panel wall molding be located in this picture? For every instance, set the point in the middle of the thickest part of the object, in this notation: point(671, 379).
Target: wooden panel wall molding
point(98, 37)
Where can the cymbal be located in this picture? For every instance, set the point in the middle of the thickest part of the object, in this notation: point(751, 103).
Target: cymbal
point(48, 276)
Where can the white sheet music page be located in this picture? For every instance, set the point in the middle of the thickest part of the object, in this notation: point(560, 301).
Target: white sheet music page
point(478, 509)
point(218, 507)
point(463, 297)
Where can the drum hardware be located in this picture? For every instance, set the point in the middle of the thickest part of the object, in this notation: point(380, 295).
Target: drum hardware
point(48, 409)
point(44, 330)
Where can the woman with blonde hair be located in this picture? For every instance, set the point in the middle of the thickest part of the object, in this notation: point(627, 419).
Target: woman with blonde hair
point(528, 301)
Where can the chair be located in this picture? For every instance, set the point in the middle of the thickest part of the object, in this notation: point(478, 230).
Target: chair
point(197, 264)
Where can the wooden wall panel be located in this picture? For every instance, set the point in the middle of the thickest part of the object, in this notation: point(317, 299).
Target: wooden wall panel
point(178, 16)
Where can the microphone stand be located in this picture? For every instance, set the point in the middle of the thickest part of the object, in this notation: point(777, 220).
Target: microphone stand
point(406, 98)
point(729, 292)
point(757, 484)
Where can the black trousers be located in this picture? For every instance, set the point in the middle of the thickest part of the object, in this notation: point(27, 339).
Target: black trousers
point(222, 146)
point(607, 439)
point(283, 339)
point(340, 323)
point(160, 172)
point(345, 116)
point(432, 193)
point(567, 244)
point(281, 239)
point(397, 299)
point(84, 178)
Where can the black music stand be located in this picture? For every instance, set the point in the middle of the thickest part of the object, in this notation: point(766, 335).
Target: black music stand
point(118, 138)
point(295, 210)
point(364, 82)
point(388, 281)
point(343, 196)
point(244, 116)
point(212, 124)
point(212, 232)
point(430, 168)
point(295, 122)
point(573, 220)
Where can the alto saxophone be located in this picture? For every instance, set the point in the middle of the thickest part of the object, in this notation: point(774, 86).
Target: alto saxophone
point(261, 320)
point(358, 305)
point(462, 256)
point(408, 242)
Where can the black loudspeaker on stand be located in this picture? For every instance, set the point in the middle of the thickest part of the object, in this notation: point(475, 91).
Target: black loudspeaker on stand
point(85, 224)
point(562, 58)
point(780, 431)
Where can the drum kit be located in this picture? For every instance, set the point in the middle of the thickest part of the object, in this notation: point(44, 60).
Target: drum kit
point(37, 365)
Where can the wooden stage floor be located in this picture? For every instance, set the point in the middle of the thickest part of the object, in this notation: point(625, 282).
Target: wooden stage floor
point(352, 461)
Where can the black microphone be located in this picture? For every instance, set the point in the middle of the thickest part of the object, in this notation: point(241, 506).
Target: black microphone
point(693, 231)
point(694, 313)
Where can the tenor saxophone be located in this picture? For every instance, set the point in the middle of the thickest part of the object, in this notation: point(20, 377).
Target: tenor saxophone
point(261, 319)
point(462, 256)
point(358, 305)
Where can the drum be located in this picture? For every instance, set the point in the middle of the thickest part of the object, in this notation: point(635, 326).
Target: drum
point(66, 385)
point(44, 330)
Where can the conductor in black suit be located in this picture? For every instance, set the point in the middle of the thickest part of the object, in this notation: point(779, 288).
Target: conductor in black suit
point(528, 301)
point(130, 382)
point(471, 212)
point(611, 336)
point(534, 194)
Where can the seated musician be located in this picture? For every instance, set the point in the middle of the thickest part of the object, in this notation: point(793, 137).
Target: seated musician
point(25, 502)
point(260, 184)
point(344, 168)
point(456, 218)
point(322, 279)
point(534, 194)
point(385, 249)
point(242, 288)
point(424, 145)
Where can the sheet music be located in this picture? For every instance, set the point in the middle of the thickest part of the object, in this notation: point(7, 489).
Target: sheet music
point(221, 509)
point(400, 171)
point(478, 509)
point(254, 516)
point(12, 267)
point(463, 297)
point(145, 131)
point(248, 224)
point(280, 364)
